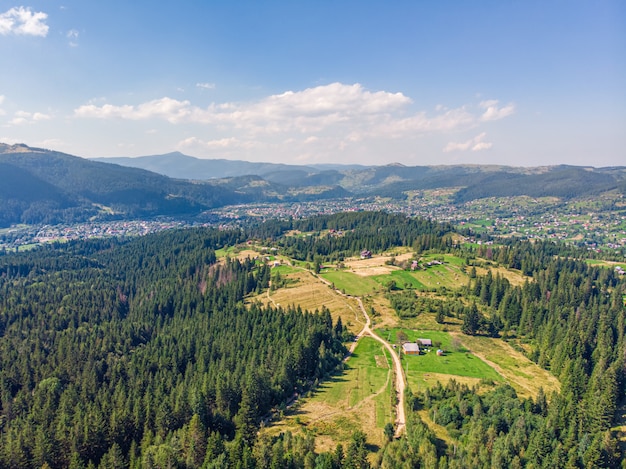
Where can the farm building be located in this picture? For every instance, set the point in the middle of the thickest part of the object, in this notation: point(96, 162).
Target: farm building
point(425, 342)
point(365, 254)
point(410, 348)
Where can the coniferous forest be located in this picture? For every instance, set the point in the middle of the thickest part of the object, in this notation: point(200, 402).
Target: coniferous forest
point(143, 353)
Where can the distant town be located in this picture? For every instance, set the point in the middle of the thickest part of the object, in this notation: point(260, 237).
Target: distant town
point(595, 223)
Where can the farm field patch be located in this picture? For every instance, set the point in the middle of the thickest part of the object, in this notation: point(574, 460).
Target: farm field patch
point(350, 283)
point(308, 292)
point(521, 373)
point(359, 398)
point(427, 369)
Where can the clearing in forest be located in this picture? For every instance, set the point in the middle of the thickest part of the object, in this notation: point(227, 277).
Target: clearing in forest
point(365, 276)
point(305, 290)
point(429, 368)
point(520, 372)
point(359, 398)
point(374, 265)
point(515, 277)
point(350, 283)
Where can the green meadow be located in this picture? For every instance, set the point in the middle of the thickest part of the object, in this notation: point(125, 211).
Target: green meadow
point(456, 362)
point(436, 276)
point(283, 269)
point(365, 375)
point(360, 397)
point(350, 283)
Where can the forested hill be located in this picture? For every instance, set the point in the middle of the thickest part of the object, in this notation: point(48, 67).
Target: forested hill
point(123, 354)
point(42, 186)
point(394, 180)
point(143, 353)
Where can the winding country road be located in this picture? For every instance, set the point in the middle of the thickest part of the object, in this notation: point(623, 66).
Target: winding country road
point(398, 371)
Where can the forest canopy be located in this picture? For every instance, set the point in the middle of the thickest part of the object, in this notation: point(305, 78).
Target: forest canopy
point(148, 353)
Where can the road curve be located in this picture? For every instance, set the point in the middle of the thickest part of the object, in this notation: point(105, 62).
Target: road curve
point(399, 372)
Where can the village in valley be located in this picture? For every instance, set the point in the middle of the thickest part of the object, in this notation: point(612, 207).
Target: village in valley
point(596, 224)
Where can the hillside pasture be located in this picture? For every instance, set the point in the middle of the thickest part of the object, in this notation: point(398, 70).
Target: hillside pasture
point(427, 369)
point(432, 278)
point(359, 398)
point(521, 373)
point(450, 274)
point(515, 277)
point(375, 265)
point(308, 292)
point(350, 283)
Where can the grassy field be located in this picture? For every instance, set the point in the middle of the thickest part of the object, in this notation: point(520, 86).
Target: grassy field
point(350, 283)
point(608, 264)
point(520, 372)
point(366, 374)
point(284, 269)
point(383, 314)
point(311, 294)
point(403, 279)
point(515, 277)
point(427, 369)
point(447, 275)
point(357, 399)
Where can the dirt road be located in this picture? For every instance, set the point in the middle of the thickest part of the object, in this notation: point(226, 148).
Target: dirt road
point(399, 372)
point(400, 383)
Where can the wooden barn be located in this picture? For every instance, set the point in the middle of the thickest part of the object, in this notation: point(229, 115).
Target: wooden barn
point(410, 348)
point(425, 342)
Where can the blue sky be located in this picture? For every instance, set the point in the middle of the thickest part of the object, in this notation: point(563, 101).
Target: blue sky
point(521, 83)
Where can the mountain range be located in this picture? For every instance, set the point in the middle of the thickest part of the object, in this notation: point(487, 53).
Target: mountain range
point(475, 181)
point(45, 186)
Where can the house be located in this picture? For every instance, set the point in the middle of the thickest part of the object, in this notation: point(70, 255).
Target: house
point(410, 348)
point(425, 342)
point(365, 254)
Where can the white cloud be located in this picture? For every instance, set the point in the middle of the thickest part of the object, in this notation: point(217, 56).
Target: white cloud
point(304, 111)
point(23, 21)
point(493, 112)
point(206, 86)
point(1, 101)
point(473, 144)
point(18, 121)
point(53, 143)
point(169, 109)
point(219, 144)
point(9, 140)
point(316, 120)
point(23, 117)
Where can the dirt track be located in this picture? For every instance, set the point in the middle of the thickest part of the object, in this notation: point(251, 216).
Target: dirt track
point(398, 371)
